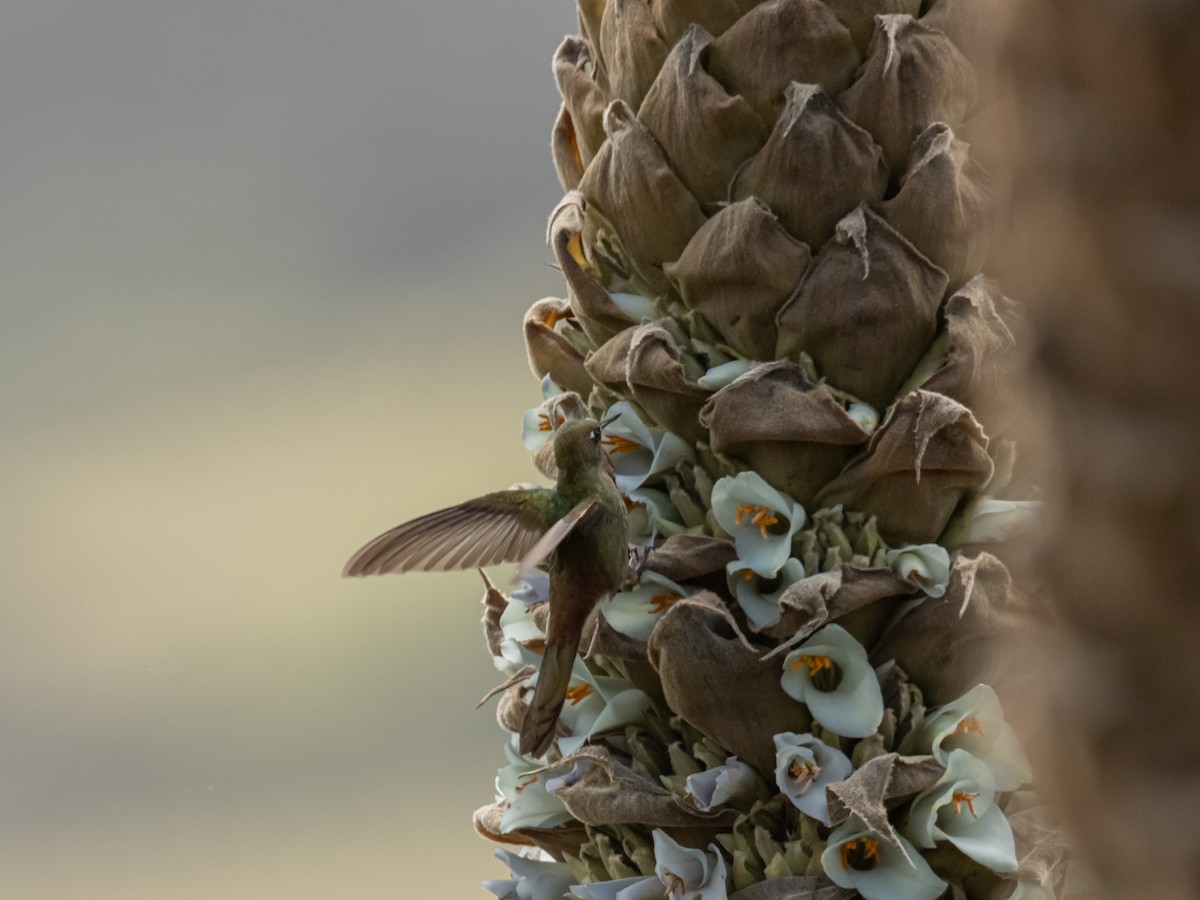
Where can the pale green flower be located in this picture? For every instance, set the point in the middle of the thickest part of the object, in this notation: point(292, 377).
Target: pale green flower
point(858, 859)
point(533, 879)
point(539, 424)
point(759, 595)
point(596, 704)
point(638, 451)
point(804, 765)
point(651, 515)
point(761, 520)
point(635, 612)
point(830, 673)
point(864, 416)
point(926, 566)
point(961, 809)
point(530, 803)
point(635, 888)
point(720, 784)
point(991, 520)
point(689, 874)
point(975, 722)
point(635, 306)
point(726, 373)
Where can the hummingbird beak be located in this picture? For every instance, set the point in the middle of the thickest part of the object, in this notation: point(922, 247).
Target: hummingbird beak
point(604, 423)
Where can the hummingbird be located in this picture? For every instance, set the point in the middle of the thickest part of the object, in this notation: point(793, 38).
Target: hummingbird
point(578, 527)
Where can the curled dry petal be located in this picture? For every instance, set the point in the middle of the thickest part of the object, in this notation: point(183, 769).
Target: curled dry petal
point(927, 456)
point(658, 382)
point(944, 204)
point(859, 15)
point(610, 793)
point(866, 310)
point(564, 148)
point(598, 315)
point(737, 271)
point(913, 76)
point(722, 686)
point(631, 189)
point(549, 352)
point(976, 27)
point(816, 166)
point(583, 105)
point(779, 42)
point(633, 51)
point(705, 133)
point(795, 434)
point(949, 644)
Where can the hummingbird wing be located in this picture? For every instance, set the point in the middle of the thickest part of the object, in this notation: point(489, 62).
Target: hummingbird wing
point(536, 555)
point(494, 528)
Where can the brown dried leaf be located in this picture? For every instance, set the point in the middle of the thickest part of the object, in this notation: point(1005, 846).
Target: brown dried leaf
point(583, 99)
point(980, 367)
point(549, 352)
point(795, 434)
point(865, 794)
point(944, 204)
point(816, 166)
point(813, 602)
point(674, 16)
point(631, 185)
point(780, 42)
point(719, 685)
point(632, 50)
point(598, 315)
point(866, 310)
point(801, 887)
point(913, 76)
point(705, 133)
point(610, 793)
point(949, 644)
point(927, 456)
point(685, 557)
point(658, 382)
point(859, 15)
point(565, 838)
point(737, 271)
point(609, 365)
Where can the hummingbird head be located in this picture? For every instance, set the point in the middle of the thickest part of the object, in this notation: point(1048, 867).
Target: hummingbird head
point(577, 443)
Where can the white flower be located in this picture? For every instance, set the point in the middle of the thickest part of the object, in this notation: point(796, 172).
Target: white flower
point(926, 566)
point(635, 612)
point(804, 765)
point(635, 888)
point(761, 520)
point(531, 804)
point(638, 451)
point(858, 859)
point(596, 704)
point(975, 722)
point(961, 809)
point(533, 879)
point(718, 376)
point(688, 874)
point(720, 784)
point(758, 595)
point(830, 673)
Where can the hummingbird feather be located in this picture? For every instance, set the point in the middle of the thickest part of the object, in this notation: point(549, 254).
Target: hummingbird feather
point(579, 514)
point(495, 528)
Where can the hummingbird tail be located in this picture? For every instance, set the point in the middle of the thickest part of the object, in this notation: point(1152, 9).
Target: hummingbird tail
point(554, 677)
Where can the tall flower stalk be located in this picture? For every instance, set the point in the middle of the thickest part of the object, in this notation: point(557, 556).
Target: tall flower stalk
point(774, 239)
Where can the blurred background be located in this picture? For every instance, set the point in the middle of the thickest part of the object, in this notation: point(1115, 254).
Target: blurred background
point(264, 265)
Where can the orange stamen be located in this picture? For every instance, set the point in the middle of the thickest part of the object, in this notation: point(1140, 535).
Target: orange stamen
point(662, 601)
point(804, 770)
point(554, 316)
point(526, 781)
point(544, 423)
point(762, 519)
point(815, 664)
point(578, 693)
point(958, 798)
point(966, 726)
point(617, 444)
point(870, 851)
point(630, 505)
point(748, 575)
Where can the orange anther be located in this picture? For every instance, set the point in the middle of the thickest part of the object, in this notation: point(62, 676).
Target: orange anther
point(617, 444)
point(815, 664)
point(966, 726)
point(554, 316)
point(544, 423)
point(526, 781)
point(958, 798)
point(578, 693)
point(662, 601)
point(870, 853)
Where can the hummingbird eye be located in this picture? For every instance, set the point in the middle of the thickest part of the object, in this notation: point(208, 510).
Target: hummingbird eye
point(595, 435)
